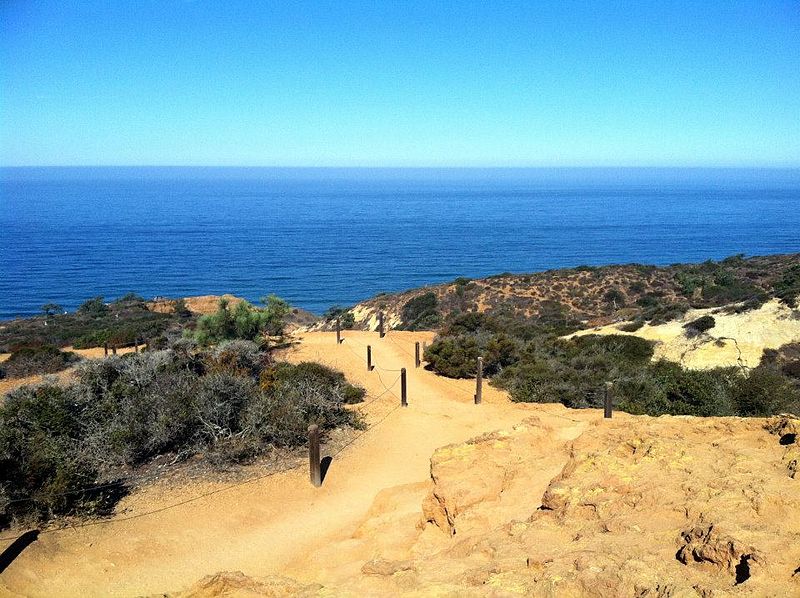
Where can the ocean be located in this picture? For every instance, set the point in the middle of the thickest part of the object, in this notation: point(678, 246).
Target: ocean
point(319, 237)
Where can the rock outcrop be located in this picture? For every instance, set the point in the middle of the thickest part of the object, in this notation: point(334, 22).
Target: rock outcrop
point(634, 506)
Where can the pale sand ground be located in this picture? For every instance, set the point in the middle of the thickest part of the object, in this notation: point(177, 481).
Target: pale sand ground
point(281, 524)
point(736, 339)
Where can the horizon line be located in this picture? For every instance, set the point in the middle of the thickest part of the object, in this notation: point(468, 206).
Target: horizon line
point(427, 167)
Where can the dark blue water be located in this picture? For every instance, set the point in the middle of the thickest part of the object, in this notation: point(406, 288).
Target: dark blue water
point(323, 237)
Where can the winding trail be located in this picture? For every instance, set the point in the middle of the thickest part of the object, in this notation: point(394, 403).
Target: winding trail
point(281, 524)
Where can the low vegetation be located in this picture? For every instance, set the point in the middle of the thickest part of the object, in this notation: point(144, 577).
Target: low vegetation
point(68, 448)
point(529, 358)
point(244, 321)
point(95, 323)
point(44, 359)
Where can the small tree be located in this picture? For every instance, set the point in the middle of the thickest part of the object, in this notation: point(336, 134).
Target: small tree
point(276, 311)
point(51, 309)
point(94, 307)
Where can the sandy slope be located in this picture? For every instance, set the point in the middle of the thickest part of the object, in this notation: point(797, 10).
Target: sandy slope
point(281, 524)
point(736, 339)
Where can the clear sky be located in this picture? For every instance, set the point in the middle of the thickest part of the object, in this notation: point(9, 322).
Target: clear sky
point(135, 82)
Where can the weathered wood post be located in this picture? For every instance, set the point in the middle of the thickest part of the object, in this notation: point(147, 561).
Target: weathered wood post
point(105, 349)
point(370, 367)
point(416, 355)
point(380, 325)
point(136, 345)
point(607, 407)
point(113, 349)
point(479, 382)
point(314, 463)
point(338, 332)
point(403, 395)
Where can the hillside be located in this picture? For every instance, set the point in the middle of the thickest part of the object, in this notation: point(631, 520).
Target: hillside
point(590, 296)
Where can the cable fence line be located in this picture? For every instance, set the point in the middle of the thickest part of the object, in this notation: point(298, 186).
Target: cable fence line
point(211, 492)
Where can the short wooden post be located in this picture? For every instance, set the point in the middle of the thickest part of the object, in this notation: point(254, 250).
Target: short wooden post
point(607, 407)
point(136, 345)
point(338, 332)
point(370, 367)
point(105, 349)
point(479, 382)
point(380, 325)
point(314, 464)
point(403, 395)
point(416, 355)
point(113, 349)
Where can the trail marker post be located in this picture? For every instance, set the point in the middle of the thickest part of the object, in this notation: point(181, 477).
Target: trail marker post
point(105, 349)
point(370, 367)
point(380, 325)
point(479, 382)
point(314, 464)
point(607, 407)
point(403, 392)
point(338, 332)
point(113, 349)
point(136, 345)
point(416, 355)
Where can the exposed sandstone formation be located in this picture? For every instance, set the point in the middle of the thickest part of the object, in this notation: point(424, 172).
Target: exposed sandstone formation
point(635, 506)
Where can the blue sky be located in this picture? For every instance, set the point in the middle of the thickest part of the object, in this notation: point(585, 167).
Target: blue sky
point(400, 83)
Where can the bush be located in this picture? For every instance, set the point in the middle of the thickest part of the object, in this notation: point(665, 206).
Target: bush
point(94, 308)
point(45, 359)
point(454, 357)
point(231, 404)
point(420, 313)
point(700, 325)
point(347, 320)
point(243, 321)
point(632, 326)
point(765, 391)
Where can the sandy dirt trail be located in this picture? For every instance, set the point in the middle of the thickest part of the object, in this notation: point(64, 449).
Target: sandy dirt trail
point(276, 525)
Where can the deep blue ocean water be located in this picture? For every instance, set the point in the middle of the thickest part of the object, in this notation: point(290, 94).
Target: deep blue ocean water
point(337, 236)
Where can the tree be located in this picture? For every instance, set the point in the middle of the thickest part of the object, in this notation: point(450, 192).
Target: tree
point(51, 309)
point(94, 307)
point(276, 311)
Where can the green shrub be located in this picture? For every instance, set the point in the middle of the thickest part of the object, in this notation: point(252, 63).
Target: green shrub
point(347, 320)
point(700, 325)
point(243, 321)
point(230, 404)
point(420, 312)
point(787, 288)
point(45, 359)
point(765, 391)
point(632, 326)
point(94, 308)
point(454, 357)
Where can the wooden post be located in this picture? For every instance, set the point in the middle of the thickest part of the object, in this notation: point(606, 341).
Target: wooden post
point(416, 355)
point(403, 395)
point(113, 349)
point(136, 345)
point(607, 407)
point(105, 349)
point(370, 367)
point(479, 382)
point(380, 325)
point(338, 332)
point(314, 464)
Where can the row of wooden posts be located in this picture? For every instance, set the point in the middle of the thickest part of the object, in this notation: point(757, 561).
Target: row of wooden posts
point(315, 464)
point(144, 343)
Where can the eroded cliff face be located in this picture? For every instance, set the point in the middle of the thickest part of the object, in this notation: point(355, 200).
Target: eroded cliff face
point(634, 506)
